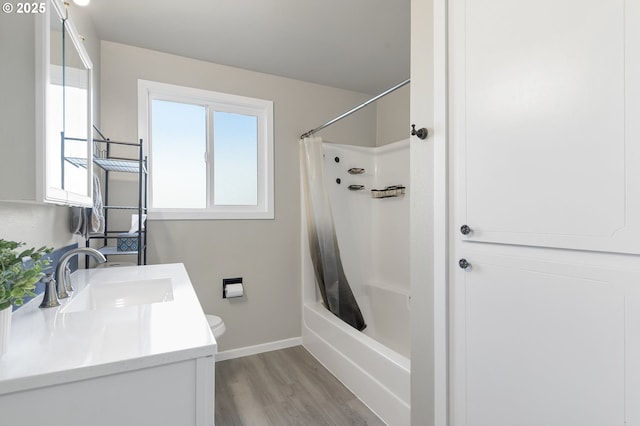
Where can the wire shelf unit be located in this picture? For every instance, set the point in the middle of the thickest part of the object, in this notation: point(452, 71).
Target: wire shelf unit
point(109, 163)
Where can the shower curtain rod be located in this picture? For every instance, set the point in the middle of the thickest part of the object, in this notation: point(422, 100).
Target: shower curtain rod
point(352, 110)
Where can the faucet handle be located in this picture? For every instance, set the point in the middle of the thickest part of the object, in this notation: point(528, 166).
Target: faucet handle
point(61, 288)
point(67, 279)
point(50, 299)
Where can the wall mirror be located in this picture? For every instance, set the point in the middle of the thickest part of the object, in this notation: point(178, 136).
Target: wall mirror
point(67, 113)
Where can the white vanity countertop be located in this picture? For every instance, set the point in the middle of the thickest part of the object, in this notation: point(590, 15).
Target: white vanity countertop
point(50, 346)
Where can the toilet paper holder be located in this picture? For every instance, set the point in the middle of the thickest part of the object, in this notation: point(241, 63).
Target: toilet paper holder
point(232, 282)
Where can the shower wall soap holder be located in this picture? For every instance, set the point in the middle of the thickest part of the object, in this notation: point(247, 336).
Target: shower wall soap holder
point(388, 192)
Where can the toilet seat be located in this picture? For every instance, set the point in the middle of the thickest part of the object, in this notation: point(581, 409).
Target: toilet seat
point(217, 325)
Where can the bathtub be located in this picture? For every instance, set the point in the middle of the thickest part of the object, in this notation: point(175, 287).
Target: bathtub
point(373, 237)
point(386, 310)
point(378, 375)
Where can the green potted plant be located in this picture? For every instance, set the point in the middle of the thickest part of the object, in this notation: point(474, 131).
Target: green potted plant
point(18, 279)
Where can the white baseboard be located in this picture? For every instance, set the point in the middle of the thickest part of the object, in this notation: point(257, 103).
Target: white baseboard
point(258, 349)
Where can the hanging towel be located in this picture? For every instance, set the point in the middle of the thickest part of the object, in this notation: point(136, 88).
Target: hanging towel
point(97, 212)
point(79, 221)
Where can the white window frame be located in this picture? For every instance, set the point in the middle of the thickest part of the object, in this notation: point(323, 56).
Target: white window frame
point(221, 102)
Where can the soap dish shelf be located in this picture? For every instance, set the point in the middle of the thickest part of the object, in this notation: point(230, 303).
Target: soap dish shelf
point(388, 192)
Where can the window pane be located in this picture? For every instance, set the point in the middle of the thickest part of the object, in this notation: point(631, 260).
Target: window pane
point(75, 126)
point(235, 159)
point(179, 140)
point(55, 126)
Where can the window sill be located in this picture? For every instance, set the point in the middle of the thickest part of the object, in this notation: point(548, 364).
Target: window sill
point(210, 215)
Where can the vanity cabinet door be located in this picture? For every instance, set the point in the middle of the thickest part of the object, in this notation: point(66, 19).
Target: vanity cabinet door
point(179, 393)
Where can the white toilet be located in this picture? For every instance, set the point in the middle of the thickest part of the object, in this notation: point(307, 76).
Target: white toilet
point(217, 325)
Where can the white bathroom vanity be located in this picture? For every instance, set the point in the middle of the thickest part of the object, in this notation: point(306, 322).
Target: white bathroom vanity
point(130, 347)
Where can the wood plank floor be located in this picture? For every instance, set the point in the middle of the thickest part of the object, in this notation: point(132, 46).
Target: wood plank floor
point(284, 387)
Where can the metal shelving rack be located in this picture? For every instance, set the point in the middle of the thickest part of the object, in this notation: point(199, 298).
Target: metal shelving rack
point(111, 164)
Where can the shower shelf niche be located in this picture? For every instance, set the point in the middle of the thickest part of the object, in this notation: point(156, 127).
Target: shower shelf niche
point(388, 192)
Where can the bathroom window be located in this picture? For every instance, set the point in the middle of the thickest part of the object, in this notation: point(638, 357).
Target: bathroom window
point(210, 153)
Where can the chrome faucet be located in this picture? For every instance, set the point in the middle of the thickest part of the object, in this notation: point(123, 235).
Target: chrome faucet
point(50, 299)
point(63, 271)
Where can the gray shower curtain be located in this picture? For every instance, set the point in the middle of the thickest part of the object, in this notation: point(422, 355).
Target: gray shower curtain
point(323, 245)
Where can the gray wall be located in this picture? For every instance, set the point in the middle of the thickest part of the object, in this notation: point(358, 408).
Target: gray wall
point(393, 117)
point(266, 253)
point(34, 223)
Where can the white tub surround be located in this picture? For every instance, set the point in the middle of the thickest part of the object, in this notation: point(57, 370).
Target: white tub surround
point(150, 361)
point(373, 236)
point(373, 233)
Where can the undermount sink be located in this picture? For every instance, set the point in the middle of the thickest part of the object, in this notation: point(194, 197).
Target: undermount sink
point(108, 295)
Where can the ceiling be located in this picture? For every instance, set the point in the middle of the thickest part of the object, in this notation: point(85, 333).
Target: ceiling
point(359, 45)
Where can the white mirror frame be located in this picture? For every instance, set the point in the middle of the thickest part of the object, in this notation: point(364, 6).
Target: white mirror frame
point(45, 190)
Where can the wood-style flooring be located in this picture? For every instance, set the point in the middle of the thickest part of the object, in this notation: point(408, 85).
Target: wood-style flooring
point(284, 387)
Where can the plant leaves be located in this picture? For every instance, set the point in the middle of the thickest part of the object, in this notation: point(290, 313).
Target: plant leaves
point(17, 277)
